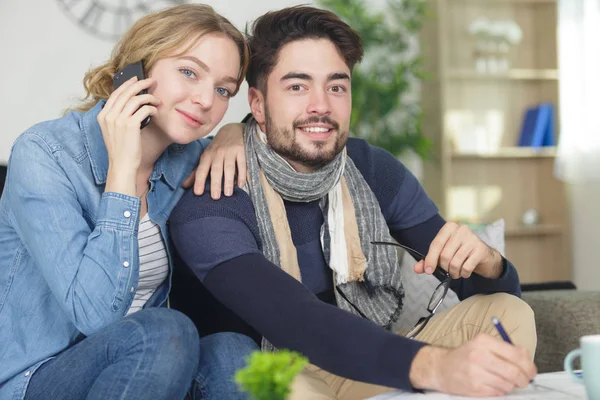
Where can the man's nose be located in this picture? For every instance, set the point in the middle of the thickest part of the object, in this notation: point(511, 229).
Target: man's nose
point(319, 103)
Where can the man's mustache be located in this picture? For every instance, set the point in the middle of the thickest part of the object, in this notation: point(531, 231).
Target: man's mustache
point(318, 120)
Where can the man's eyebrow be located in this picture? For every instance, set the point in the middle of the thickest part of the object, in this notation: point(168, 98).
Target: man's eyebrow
point(338, 75)
point(202, 65)
point(301, 75)
point(296, 75)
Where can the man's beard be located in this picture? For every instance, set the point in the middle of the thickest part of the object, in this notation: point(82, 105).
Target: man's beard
point(284, 142)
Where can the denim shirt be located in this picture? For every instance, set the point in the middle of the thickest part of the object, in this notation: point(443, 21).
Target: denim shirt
point(69, 261)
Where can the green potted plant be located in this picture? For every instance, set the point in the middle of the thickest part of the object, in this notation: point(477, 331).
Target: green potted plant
point(268, 376)
point(384, 85)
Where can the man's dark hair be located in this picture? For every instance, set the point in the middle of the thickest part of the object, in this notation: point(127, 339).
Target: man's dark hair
point(272, 31)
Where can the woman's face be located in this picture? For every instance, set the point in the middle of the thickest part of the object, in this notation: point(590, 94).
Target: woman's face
point(195, 88)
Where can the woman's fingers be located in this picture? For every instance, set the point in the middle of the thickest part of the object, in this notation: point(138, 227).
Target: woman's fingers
point(122, 98)
point(142, 113)
point(117, 92)
point(136, 102)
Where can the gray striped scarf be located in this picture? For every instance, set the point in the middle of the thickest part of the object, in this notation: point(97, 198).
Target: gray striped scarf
point(379, 297)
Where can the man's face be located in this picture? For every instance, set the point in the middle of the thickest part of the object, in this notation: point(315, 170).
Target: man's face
point(306, 112)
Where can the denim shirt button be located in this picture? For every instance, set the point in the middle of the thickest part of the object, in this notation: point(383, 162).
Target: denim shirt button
point(126, 264)
point(132, 289)
point(127, 214)
point(27, 373)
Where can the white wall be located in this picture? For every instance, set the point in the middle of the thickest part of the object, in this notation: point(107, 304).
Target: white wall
point(45, 54)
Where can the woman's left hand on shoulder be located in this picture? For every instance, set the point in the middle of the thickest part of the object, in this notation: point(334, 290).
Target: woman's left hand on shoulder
point(224, 155)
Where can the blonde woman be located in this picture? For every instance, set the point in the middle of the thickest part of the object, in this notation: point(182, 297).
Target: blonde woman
point(85, 262)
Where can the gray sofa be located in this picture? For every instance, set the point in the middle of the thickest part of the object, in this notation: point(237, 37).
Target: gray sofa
point(562, 317)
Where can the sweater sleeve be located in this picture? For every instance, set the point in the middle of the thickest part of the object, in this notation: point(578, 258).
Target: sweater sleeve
point(218, 241)
point(290, 316)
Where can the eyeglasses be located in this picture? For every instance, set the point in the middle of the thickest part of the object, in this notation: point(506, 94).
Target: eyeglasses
point(438, 296)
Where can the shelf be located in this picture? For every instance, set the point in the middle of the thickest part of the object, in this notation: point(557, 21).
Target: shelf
point(523, 74)
point(510, 153)
point(536, 230)
point(478, 183)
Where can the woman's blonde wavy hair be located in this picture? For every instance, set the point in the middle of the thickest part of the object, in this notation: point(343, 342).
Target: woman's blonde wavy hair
point(159, 35)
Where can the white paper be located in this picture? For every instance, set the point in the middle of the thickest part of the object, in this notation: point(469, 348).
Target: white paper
point(551, 386)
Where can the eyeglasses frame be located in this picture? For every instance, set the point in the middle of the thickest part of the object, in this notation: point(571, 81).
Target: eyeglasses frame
point(445, 282)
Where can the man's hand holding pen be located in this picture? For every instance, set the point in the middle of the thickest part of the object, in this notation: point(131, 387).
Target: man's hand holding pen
point(485, 366)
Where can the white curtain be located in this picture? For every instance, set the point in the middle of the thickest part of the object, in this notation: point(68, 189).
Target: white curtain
point(578, 157)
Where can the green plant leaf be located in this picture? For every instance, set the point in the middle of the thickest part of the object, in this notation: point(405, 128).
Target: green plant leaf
point(268, 376)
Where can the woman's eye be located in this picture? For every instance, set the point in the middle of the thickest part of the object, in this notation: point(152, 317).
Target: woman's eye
point(224, 92)
point(188, 72)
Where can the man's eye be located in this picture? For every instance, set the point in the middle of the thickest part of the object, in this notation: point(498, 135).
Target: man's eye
point(296, 88)
point(188, 72)
point(338, 89)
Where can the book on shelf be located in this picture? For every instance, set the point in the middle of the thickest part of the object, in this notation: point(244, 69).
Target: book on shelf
point(537, 129)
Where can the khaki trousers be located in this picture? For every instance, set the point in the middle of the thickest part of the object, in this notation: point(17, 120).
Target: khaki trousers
point(448, 329)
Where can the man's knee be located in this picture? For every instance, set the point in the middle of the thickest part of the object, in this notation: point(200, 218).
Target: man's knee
point(309, 385)
point(517, 317)
point(512, 307)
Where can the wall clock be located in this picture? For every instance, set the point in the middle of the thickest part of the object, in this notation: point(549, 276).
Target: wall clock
point(109, 19)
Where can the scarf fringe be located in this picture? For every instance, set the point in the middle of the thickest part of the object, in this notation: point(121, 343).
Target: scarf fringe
point(373, 291)
point(399, 296)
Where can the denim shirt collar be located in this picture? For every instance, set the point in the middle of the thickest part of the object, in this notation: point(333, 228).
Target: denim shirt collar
point(96, 149)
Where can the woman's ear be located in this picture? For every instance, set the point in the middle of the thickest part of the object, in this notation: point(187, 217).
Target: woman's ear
point(256, 100)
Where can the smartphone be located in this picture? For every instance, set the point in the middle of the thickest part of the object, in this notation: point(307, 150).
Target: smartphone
point(122, 76)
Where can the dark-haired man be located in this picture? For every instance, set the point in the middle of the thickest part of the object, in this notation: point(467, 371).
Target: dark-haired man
point(315, 202)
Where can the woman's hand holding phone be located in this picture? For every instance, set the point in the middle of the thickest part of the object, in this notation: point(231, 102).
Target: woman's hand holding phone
point(120, 122)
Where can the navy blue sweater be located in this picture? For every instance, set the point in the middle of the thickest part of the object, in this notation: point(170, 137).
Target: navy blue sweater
point(240, 290)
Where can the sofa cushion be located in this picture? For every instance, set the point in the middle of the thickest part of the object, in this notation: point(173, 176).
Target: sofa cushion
point(561, 318)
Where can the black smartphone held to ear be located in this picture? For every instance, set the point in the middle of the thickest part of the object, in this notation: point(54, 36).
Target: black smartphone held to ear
point(122, 76)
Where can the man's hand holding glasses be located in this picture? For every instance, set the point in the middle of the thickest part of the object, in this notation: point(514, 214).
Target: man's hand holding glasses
point(460, 252)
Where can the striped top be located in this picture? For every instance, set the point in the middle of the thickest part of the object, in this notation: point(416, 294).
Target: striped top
point(154, 264)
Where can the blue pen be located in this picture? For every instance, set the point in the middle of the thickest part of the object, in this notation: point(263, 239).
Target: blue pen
point(504, 335)
point(501, 330)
